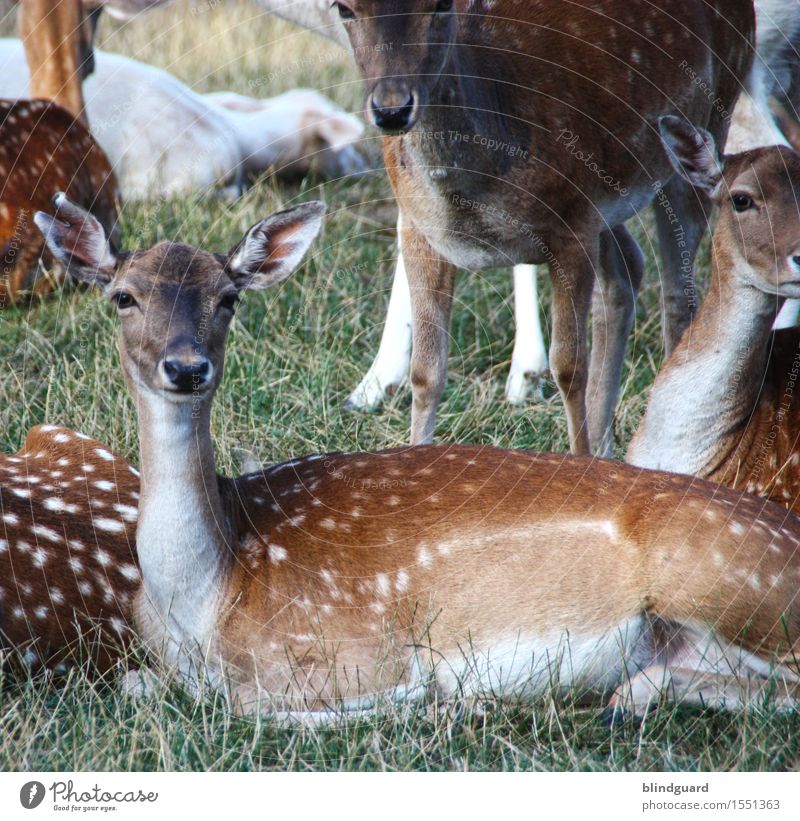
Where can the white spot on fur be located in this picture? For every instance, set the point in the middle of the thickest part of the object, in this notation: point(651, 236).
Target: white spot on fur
point(109, 525)
point(277, 553)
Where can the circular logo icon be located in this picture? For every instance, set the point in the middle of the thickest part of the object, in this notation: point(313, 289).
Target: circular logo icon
point(31, 794)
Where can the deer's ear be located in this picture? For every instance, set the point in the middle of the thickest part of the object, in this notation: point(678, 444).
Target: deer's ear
point(692, 152)
point(78, 241)
point(273, 248)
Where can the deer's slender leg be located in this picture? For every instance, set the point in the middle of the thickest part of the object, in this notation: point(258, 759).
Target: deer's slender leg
point(613, 305)
point(431, 279)
point(391, 364)
point(681, 221)
point(787, 316)
point(572, 273)
point(529, 360)
point(52, 35)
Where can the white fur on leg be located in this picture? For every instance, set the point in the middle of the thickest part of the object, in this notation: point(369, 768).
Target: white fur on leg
point(391, 364)
point(787, 317)
point(529, 361)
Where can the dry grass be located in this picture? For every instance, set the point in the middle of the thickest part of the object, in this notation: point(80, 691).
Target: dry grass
point(293, 357)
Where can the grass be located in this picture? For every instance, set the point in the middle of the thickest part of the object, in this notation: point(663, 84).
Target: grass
point(294, 355)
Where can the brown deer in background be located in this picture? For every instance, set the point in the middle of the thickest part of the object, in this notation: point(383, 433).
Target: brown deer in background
point(519, 133)
point(330, 582)
point(58, 36)
point(42, 149)
point(724, 405)
point(68, 571)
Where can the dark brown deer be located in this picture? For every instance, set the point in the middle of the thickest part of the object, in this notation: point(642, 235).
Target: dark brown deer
point(528, 133)
point(330, 582)
point(68, 571)
point(42, 149)
point(724, 406)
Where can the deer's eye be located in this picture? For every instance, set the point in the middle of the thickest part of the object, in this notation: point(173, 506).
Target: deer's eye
point(345, 12)
point(229, 302)
point(741, 202)
point(123, 300)
point(444, 5)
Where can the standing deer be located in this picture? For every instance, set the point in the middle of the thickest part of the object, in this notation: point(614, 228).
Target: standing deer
point(328, 582)
point(41, 149)
point(752, 125)
point(68, 569)
point(540, 154)
point(723, 406)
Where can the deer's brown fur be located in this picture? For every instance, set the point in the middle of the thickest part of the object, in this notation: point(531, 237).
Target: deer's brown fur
point(527, 133)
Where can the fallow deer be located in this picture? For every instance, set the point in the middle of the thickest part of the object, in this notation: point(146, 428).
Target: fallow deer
point(752, 125)
point(517, 133)
point(68, 571)
point(328, 582)
point(43, 148)
point(723, 406)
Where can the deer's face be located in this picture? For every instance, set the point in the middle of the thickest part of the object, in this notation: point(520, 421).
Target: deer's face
point(175, 305)
point(759, 218)
point(400, 49)
point(176, 302)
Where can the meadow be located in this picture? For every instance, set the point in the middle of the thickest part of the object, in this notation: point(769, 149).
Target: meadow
point(294, 355)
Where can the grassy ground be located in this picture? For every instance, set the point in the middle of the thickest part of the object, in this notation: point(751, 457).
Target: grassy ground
point(293, 357)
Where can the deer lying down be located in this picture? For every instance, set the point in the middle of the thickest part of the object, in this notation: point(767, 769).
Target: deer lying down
point(165, 139)
point(42, 147)
point(331, 582)
point(68, 569)
point(723, 406)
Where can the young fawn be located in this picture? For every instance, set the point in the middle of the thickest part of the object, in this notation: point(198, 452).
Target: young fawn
point(42, 149)
point(68, 574)
point(330, 581)
point(723, 406)
point(539, 155)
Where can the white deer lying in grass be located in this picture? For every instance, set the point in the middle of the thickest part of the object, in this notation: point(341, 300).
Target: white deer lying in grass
point(164, 139)
point(329, 582)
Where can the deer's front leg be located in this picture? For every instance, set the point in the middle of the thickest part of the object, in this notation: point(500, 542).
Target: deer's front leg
point(431, 279)
point(391, 364)
point(572, 277)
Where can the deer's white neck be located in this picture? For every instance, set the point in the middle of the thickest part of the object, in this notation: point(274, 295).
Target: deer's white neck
point(709, 385)
point(182, 535)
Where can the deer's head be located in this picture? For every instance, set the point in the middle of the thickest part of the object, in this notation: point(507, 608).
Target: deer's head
point(758, 197)
point(176, 302)
point(400, 49)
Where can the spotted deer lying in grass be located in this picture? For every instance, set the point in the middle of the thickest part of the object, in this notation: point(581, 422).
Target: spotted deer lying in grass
point(68, 572)
point(724, 405)
point(43, 149)
point(328, 582)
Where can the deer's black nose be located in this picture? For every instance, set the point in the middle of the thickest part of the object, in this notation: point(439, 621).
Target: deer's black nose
point(392, 118)
point(187, 376)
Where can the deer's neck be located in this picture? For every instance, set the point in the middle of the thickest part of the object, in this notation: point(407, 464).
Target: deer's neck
point(706, 392)
point(183, 534)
